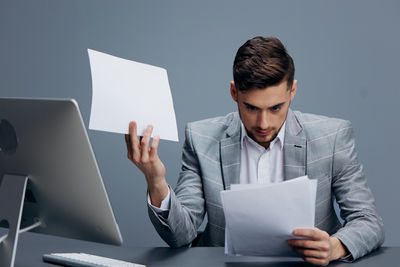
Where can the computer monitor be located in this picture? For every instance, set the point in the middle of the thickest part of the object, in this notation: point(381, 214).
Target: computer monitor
point(46, 140)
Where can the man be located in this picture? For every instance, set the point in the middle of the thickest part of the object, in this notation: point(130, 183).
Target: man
point(264, 142)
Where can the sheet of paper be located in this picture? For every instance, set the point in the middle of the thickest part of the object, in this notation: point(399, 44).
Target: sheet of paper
point(125, 90)
point(260, 218)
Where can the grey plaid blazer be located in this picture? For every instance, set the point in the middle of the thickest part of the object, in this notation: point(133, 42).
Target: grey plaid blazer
point(321, 147)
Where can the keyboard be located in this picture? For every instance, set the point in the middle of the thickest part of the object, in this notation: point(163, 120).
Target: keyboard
point(86, 260)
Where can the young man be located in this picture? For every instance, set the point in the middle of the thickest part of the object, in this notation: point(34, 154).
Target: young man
point(264, 142)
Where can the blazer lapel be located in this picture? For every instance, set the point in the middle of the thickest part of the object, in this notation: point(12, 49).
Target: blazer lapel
point(294, 149)
point(230, 154)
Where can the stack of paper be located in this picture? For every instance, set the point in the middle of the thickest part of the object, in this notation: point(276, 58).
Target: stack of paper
point(260, 218)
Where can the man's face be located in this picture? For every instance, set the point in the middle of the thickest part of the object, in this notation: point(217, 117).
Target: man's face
point(263, 111)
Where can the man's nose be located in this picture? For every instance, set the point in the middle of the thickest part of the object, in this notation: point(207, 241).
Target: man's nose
point(263, 122)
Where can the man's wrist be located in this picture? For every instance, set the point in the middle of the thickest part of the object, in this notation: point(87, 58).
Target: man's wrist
point(157, 191)
point(338, 249)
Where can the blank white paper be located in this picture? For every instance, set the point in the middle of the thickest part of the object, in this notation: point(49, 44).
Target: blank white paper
point(260, 218)
point(124, 91)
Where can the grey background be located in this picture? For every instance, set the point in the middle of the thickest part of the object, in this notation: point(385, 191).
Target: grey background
point(346, 55)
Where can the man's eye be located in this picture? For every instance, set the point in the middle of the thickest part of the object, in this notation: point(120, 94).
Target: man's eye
point(252, 108)
point(276, 108)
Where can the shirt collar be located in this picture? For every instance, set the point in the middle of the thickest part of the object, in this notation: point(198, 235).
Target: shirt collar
point(278, 139)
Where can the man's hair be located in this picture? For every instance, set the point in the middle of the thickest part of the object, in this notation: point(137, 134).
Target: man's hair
point(262, 62)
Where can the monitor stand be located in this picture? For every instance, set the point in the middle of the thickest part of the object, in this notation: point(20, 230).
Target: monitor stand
point(12, 195)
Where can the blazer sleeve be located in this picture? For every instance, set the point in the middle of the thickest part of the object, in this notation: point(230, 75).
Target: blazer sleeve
point(178, 226)
point(363, 227)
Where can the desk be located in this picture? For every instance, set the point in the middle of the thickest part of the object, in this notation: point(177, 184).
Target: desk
point(30, 253)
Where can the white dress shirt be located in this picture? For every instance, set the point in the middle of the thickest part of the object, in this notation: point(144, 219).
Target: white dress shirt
point(257, 164)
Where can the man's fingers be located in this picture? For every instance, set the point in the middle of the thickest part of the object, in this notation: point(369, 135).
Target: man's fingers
point(133, 131)
point(315, 248)
point(144, 143)
point(134, 141)
point(312, 253)
point(301, 243)
point(154, 147)
point(314, 234)
point(310, 233)
point(128, 146)
point(314, 256)
point(308, 244)
point(139, 150)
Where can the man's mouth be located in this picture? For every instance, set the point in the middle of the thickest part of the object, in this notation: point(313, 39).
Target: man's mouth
point(263, 132)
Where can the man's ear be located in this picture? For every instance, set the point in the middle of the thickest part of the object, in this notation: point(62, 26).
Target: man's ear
point(293, 90)
point(233, 91)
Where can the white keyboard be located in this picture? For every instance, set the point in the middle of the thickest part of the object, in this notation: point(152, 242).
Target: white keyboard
point(86, 260)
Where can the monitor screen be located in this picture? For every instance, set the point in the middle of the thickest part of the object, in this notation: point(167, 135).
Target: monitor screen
point(46, 140)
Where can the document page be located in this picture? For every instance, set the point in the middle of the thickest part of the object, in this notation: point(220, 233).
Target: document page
point(260, 218)
point(124, 91)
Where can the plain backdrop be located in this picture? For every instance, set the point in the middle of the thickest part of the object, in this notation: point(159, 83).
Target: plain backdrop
point(346, 55)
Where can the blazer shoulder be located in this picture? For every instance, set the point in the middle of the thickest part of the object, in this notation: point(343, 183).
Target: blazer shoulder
point(216, 127)
point(316, 126)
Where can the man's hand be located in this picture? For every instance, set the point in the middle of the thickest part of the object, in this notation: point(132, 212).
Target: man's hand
point(318, 247)
point(146, 158)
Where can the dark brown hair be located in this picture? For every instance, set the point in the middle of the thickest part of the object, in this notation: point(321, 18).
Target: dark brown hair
point(262, 62)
